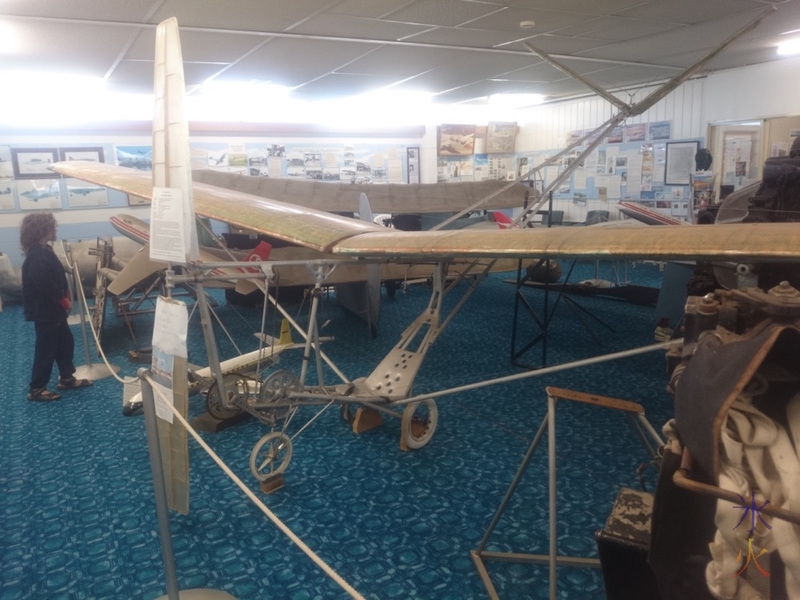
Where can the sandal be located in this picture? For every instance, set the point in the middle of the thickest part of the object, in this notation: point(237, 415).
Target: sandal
point(42, 395)
point(72, 383)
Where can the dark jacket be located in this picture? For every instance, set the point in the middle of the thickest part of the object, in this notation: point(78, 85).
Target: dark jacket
point(44, 284)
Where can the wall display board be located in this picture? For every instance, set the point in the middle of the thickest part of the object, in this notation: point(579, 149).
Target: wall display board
point(624, 168)
point(352, 163)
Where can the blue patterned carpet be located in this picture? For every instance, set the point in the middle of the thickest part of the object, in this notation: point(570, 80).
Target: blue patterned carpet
point(78, 517)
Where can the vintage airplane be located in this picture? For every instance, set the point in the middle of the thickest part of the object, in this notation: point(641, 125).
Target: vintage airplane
point(220, 160)
point(84, 190)
point(388, 389)
point(37, 193)
point(357, 286)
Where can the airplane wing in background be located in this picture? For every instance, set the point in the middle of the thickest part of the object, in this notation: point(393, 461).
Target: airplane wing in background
point(646, 215)
point(343, 197)
point(346, 237)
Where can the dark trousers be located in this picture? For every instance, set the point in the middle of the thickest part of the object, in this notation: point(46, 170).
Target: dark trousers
point(54, 343)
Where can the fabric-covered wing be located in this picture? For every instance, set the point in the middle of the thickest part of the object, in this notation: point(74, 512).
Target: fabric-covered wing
point(751, 241)
point(350, 238)
point(302, 226)
point(343, 197)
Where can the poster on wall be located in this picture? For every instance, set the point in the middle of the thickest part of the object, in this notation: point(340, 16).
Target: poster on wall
point(237, 158)
point(86, 154)
point(636, 132)
point(135, 157)
point(616, 136)
point(679, 163)
point(501, 137)
point(456, 140)
point(661, 130)
point(6, 171)
point(7, 188)
point(39, 195)
point(34, 163)
point(412, 157)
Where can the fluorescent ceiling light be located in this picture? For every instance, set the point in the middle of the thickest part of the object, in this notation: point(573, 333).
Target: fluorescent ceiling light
point(9, 42)
point(789, 47)
point(515, 100)
point(243, 101)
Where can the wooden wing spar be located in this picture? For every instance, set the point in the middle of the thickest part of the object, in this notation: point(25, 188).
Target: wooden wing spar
point(350, 238)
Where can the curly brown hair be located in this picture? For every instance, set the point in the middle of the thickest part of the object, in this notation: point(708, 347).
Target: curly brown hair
point(35, 226)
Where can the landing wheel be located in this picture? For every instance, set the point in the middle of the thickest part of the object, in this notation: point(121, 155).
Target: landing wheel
point(236, 390)
point(419, 423)
point(270, 455)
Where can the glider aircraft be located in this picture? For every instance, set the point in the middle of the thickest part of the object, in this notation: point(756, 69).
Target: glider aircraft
point(388, 389)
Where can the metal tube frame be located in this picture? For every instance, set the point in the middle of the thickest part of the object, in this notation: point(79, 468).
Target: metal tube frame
point(552, 559)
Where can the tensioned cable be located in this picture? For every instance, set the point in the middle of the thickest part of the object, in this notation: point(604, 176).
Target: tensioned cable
point(248, 492)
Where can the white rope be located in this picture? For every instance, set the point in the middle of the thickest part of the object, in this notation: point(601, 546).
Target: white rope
point(84, 308)
point(272, 517)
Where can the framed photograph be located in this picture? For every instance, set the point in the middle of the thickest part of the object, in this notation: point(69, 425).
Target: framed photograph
point(94, 154)
point(456, 140)
point(636, 132)
point(501, 138)
point(34, 163)
point(8, 188)
point(412, 159)
point(6, 172)
point(616, 136)
point(679, 164)
point(38, 195)
point(81, 194)
point(661, 130)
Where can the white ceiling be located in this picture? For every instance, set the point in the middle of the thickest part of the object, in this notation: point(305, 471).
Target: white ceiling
point(460, 50)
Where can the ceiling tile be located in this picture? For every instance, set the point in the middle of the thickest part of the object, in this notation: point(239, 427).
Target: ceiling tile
point(557, 44)
point(620, 30)
point(244, 15)
point(357, 27)
point(587, 7)
point(403, 61)
point(294, 62)
point(547, 21)
point(370, 9)
point(690, 11)
point(445, 13)
point(96, 10)
point(462, 37)
point(76, 48)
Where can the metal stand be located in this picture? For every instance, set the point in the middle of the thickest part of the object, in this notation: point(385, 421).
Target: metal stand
point(640, 424)
point(168, 557)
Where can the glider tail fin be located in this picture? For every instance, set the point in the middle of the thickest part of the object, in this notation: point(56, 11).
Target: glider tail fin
point(286, 333)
